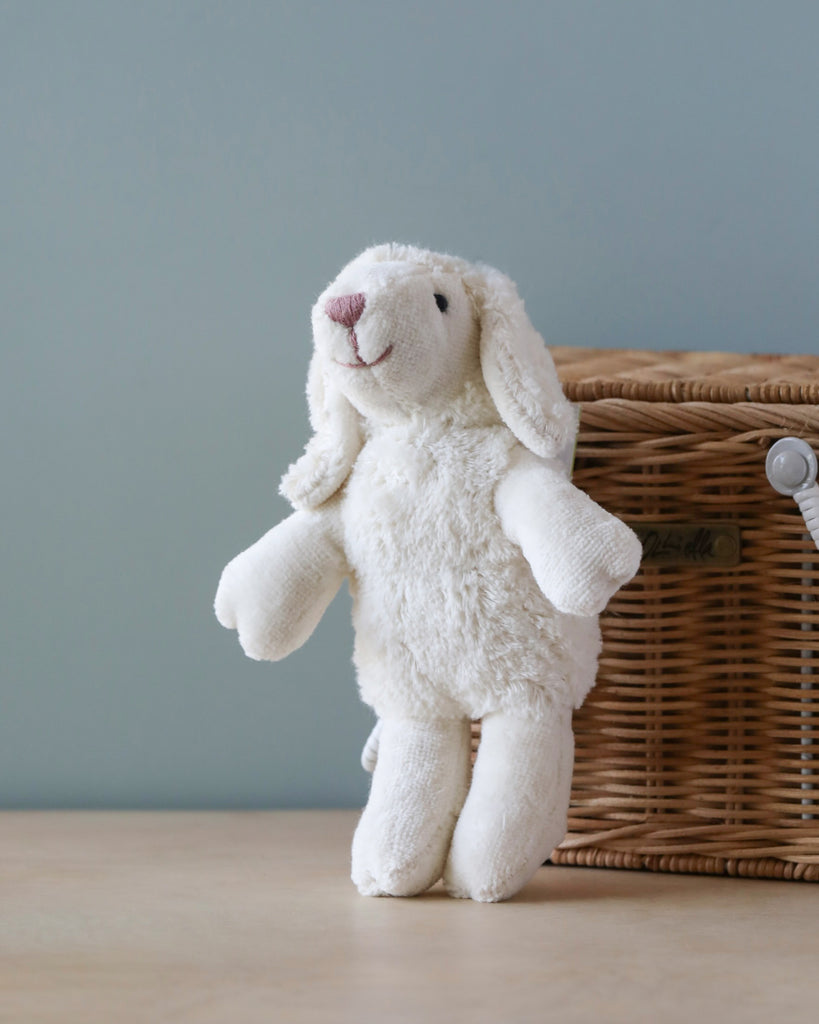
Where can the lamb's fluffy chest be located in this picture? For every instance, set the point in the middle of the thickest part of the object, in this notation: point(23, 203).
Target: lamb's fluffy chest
point(448, 617)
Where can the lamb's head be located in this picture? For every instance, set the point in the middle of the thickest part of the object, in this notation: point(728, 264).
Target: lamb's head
point(404, 332)
point(397, 334)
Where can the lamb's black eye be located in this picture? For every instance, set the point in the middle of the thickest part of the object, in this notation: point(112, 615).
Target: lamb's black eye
point(441, 302)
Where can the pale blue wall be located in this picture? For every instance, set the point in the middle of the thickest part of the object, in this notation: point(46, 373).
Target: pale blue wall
point(179, 180)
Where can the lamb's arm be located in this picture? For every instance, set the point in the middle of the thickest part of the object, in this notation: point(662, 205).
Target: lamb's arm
point(580, 554)
point(275, 592)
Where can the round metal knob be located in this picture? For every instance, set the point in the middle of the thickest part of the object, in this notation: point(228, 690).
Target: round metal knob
point(791, 465)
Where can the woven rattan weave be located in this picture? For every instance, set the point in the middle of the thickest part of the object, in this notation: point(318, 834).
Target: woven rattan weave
point(698, 749)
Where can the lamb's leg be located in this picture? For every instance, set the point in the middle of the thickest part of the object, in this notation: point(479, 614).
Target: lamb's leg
point(515, 813)
point(418, 786)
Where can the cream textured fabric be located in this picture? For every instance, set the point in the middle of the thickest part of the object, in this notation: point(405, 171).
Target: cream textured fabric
point(517, 806)
point(434, 482)
point(418, 788)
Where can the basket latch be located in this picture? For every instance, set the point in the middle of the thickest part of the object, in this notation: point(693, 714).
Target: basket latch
point(791, 466)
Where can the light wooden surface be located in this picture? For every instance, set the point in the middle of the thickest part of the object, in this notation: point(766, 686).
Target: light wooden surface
point(246, 917)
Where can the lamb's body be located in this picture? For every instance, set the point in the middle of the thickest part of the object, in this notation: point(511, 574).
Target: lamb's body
point(434, 483)
point(449, 621)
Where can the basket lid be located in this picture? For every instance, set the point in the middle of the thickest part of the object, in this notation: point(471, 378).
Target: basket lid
point(589, 374)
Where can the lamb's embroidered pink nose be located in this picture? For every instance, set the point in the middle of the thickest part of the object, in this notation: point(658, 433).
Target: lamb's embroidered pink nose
point(346, 309)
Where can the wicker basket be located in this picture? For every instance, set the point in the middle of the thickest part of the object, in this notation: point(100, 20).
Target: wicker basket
point(698, 749)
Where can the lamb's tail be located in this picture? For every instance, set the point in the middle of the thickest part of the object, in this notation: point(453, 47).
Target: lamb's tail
point(369, 755)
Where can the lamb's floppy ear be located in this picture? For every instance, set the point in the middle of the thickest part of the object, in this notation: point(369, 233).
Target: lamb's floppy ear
point(332, 450)
point(519, 371)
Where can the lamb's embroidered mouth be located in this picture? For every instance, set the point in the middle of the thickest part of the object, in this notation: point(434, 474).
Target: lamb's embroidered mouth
point(361, 365)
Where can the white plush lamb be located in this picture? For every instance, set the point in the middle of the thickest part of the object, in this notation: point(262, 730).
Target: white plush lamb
point(436, 483)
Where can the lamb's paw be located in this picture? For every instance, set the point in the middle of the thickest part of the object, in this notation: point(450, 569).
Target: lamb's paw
point(626, 553)
point(224, 603)
point(236, 594)
point(259, 646)
point(610, 560)
point(385, 863)
point(418, 787)
point(257, 630)
point(489, 861)
point(515, 813)
point(471, 875)
point(393, 878)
